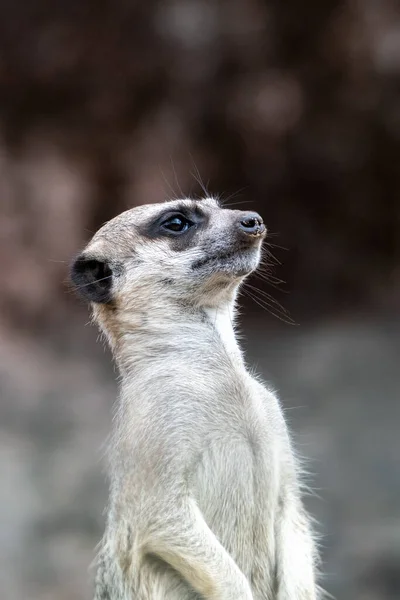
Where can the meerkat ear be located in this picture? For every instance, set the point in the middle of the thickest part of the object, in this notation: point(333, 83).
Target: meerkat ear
point(92, 278)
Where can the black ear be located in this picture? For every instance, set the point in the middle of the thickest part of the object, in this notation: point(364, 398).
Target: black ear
point(92, 279)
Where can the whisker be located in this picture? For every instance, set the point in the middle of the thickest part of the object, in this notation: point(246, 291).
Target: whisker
point(270, 298)
point(174, 196)
point(271, 256)
point(275, 245)
point(176, 178)
point(269, 259)
point(274, 311)
point(267, 270)
point(269, 277)
point(270, 281)
point(79, 287)
point(225, 201)
point(268, 308)
point(197, 177)
point(238, 203)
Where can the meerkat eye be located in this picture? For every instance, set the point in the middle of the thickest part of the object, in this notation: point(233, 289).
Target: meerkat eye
point(177, 224)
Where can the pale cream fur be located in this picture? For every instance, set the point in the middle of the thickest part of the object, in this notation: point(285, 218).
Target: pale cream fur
point(204, 497)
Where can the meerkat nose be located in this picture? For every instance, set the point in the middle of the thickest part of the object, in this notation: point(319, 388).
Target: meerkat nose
point(252, 224)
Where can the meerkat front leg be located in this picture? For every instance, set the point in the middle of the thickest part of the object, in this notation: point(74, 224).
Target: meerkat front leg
point(184, 541)
point(296, 554)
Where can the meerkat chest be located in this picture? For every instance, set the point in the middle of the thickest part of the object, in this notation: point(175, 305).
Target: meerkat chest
point(236, 484)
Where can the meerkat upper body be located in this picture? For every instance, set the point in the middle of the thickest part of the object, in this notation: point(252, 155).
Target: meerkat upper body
point(204, 499)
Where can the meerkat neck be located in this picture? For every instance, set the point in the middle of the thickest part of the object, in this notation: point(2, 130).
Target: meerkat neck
point(223, 321)
point(177, 330)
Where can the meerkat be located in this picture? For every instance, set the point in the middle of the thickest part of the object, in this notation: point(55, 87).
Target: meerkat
point(205, 496)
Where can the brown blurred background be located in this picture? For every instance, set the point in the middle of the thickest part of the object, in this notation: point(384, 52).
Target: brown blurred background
point(291, 108)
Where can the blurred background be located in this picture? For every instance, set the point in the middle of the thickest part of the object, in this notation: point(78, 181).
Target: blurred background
point(291, 108)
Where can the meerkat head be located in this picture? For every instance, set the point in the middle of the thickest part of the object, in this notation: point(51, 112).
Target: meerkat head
point(194, 252)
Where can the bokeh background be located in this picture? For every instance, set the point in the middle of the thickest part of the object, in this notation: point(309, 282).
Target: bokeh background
point(291, 108)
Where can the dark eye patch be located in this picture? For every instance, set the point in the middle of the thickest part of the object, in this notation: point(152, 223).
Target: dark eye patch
point(179, 239)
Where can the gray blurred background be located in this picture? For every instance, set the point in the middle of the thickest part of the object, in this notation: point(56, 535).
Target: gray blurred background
point(291, 108)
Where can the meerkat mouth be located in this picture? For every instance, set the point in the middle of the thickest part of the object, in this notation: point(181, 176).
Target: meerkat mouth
point(222, 257)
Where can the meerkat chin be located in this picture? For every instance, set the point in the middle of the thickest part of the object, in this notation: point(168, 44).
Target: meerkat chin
point(205, 496)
